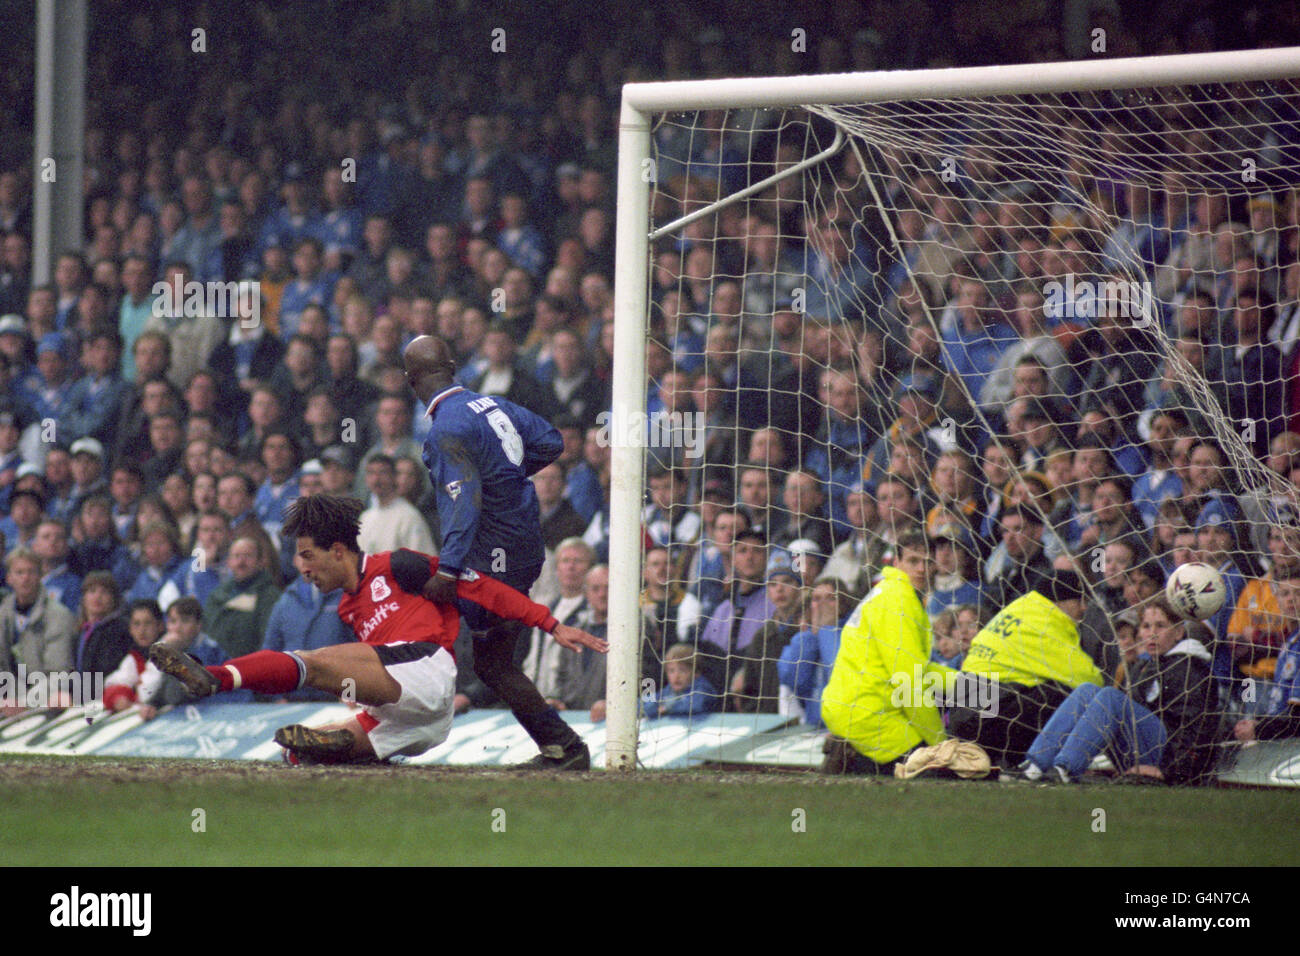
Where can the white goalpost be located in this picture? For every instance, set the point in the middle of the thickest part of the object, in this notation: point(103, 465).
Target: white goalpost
point(893, 133)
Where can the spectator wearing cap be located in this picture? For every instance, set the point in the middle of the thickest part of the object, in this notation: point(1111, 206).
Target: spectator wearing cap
point(1217, 544)
point(15, 344)
point(36, 630)
point(1030, 650)
point(46, 389)
point(95, 400)
point(51, 546)
point(192, 334)
point(87, 469)
point(1018, 565)
point(737, 619)
point(755, 684)
point(337, 470)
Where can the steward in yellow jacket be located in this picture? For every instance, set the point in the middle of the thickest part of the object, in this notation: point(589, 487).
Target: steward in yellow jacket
point(873, 703)
point(1030, 654)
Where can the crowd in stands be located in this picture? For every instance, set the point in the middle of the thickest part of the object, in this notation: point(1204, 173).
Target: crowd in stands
point(147, 450)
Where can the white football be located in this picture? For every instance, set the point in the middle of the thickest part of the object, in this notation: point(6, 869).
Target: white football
point(1195, 590)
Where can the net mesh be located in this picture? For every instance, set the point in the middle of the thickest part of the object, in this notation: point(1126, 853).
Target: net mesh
point(1054, 333)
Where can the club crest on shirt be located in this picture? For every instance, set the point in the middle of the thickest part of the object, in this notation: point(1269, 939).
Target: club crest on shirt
point(379, 589)
point(453, 489)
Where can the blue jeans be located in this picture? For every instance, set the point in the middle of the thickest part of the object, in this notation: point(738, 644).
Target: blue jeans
point(1094, 719)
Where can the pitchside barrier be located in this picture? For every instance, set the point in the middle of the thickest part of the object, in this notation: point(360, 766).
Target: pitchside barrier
point(493, 738)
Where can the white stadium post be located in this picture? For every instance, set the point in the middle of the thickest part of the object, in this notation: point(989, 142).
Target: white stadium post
point(631, 275)
point(647, 105)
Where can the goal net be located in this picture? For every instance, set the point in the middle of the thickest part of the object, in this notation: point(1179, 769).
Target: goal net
point(1047, 340)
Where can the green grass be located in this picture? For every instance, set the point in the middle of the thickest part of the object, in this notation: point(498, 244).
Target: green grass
point(55, 811)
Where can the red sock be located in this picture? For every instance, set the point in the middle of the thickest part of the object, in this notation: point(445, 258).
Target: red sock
point(266, 672)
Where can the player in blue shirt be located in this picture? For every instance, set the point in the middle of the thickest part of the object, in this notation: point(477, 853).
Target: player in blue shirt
point(480, 451)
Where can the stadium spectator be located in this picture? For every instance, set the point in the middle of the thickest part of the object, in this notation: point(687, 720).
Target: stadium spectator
point(103, 638)
point(755, 685)
point(393, 423)
point(160, 558)
point(745, 608)
point(51, 546)
point(580, 674)
point(805, 663)
point(304, 619)
point(36, 630)
point(192, 333)
point(95, 400)
point(390, 522)
point(122, 688)
point(685, 694)
point(199, 576)
point(1160, 728)
point(559, 519)
point(238, 609)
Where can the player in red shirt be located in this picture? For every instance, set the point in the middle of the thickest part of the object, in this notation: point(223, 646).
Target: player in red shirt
point(402, 672)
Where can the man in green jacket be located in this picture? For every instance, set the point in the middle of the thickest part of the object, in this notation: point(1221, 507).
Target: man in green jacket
point(871, 704)
point(237, 612)
point(1030, 652)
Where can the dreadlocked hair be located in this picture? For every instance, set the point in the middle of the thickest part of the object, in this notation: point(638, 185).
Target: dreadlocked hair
point(325, 519)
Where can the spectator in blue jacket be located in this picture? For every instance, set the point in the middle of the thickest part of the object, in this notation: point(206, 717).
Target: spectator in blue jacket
point(805, 663)
point(686, 695)
point(304, 619)
point(94, 401)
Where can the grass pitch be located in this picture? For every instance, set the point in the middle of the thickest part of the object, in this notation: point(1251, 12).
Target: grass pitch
point(111, 811)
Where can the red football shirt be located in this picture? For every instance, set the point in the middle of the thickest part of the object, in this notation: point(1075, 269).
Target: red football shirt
point(380, 612)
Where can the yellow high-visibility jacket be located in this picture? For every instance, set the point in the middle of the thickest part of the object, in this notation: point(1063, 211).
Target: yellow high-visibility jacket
point(884, 646)
point(1031, 641)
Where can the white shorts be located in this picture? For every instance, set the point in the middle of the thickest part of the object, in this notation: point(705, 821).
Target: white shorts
point(421, 718)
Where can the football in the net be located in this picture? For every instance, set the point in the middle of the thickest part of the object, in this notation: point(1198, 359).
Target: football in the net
point(1195, 590)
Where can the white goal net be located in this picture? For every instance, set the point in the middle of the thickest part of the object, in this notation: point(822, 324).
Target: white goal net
point(1048, 342)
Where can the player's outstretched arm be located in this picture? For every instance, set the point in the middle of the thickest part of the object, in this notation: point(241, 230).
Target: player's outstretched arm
point(576, 639)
